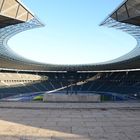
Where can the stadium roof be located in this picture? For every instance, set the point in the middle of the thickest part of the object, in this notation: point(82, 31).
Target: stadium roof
point(14, 12)
point(15, 18)
point(127, 12)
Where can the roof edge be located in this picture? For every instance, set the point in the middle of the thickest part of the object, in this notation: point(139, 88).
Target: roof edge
point(102, 23)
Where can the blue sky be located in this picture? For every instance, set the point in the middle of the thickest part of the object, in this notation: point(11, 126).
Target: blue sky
point(72, 34)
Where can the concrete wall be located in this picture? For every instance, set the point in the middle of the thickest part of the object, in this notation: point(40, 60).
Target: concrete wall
point(71, 98)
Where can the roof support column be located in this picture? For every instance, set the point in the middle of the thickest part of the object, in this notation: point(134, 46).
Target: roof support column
point(127, 10)
point(116, 16)
point(2, 5)
point(17, 10)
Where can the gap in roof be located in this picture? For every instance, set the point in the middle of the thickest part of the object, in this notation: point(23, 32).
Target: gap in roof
point(72, 34)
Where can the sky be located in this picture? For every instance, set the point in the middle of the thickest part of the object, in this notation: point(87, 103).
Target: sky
point(72, 34)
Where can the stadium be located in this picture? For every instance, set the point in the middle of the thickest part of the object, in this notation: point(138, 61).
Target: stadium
point(22, 79)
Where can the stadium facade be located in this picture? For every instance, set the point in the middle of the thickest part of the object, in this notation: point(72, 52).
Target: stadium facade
point(123, 71)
